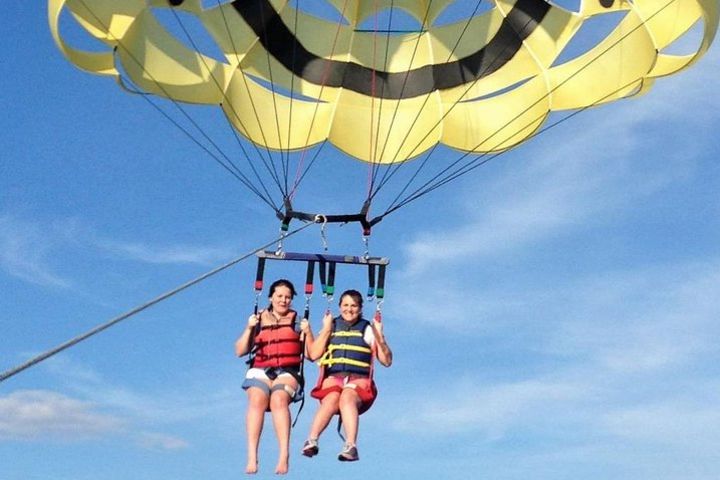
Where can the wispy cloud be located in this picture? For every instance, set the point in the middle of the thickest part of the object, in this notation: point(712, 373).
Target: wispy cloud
point(167, 254)
point(626, 356)
point(26, 250)
point(157, 407)
point(584, 176)
point(159, 441)
point(468, 406)
point(39, 414)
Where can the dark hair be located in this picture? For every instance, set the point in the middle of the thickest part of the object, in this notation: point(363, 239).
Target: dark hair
point(282, 283)
point(355, 295)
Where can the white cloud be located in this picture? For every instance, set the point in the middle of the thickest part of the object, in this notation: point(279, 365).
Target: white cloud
point(467, 406)
point(681, 422)
point(26, 249)
point(616, 155)
point(169, 254)
point(42, 414)
point(159, 441)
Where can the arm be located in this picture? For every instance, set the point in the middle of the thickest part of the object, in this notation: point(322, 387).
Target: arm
point(384, 354)
point(242, 344)
point(306, 333)
point(316, 349)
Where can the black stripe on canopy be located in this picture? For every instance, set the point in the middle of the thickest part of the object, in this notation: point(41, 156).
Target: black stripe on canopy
point(283, 45)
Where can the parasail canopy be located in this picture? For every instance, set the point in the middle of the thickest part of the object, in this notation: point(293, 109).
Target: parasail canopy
point(288, 79)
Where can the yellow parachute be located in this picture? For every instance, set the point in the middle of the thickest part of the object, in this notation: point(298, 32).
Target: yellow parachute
point(448, 84)
point(289, 79)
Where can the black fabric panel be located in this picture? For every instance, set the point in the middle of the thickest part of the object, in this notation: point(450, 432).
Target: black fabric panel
point(282, 44)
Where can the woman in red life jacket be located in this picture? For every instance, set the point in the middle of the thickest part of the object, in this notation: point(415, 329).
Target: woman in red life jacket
point(274, 340)
point(346, 346)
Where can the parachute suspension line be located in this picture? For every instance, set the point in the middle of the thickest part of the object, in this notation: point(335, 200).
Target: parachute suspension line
point(475, 162)
point(483, 159)
point(480, 160)
point(373, 85)
point(374, 154)
point(220, 89)
point(234, 171)
point(262, 12)
point(422, 190)
point(249, 162)
point(300, 176)
point(389, 173)
point(397, 106)
point(227, 163)
point(423, 164)
point(267, 162)
point(396, 166)
point(292, 104)
point(44, 356)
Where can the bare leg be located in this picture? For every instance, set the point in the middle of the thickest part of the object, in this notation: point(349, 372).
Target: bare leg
point(328, 408)
point(280, 409)
point(257, 404)
point(349, 403)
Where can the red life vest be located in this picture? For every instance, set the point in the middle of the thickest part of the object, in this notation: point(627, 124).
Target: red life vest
point(278, 346)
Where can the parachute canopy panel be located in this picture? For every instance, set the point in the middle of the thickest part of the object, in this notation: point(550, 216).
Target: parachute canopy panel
point(289, 79)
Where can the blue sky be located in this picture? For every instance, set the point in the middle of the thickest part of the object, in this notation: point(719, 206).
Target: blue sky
point(553, 315)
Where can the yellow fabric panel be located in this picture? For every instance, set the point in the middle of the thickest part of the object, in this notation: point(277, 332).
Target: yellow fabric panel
point(268, 121)
point(233, 36)
point(107, 20)
point(396, 53)
point(497, 123)
point(669, 64)
point(475, 33)
point(594, 7)
point(99, 63)
point(372, 129)
point(319, 37)
point(610, 70)
point(557, 29)
point(667, 22)
point(375, 130)
point(158, 63)
point(190, 6)
point(416, 8)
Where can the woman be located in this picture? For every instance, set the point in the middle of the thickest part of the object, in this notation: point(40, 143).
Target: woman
point(347, 344)
point(274, 339)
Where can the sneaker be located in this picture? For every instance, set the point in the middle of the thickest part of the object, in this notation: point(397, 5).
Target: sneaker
point(349, 453)
point(310, 447)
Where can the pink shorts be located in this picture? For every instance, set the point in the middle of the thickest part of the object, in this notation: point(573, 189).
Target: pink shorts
point(363, 386)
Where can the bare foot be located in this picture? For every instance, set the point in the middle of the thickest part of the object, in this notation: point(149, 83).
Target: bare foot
point(252, 467)
point(282, 466)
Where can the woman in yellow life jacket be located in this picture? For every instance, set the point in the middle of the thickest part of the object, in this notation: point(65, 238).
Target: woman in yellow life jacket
point(274, 338)
point(346, 347)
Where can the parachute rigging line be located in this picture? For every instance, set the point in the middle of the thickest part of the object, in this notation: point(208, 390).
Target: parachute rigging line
point(273, 173)
point(239, 176)
point(235, 114)
point(478, 161)
point(488, 69)
point(44, 356)
point(395, 165)
point(402, 90)
point(272, 89)
point(235, 171)
point(323, 82)
point(483, 159)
